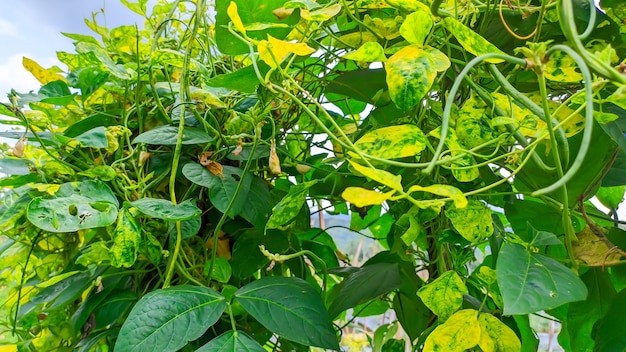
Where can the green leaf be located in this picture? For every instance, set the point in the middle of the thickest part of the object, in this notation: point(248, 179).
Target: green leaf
point(222, 188)
point(167, 319)
point(368, 282)
point(470, 40)
point(473, 221)
point(368, 52)
point(95, 138)
point(14, 166)
point(250, 12)
point(165, 209)
point(221, 270)
point(258, 203)
point(290, 205)
point(611, 197)
point(412, 314)
point(243, 80)
point(75, 206)
point(126, 239)
point(174, 58)
point(168, 135)
point(581, 316)
point(417, 26)
point(189, 227)
point(459, 333)
point(350, 84)
point(496, 336)
point(444, 295)
point(410, 74)
point(291, 308)
point(531, 282)
point(542, 238)
point(610, 331)
point(102, 172)
point(393, 142)
point(107, 63)
point(232, 341)
point(66, 290)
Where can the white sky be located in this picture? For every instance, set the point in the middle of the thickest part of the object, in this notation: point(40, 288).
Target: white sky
point(32, 28)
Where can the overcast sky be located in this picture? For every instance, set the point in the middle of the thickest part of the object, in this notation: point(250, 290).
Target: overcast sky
point(32, 28)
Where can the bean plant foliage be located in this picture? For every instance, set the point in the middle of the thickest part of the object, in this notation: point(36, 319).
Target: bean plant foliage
point(159, 189)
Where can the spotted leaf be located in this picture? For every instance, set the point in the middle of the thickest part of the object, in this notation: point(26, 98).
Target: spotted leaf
point(444, 295)
point(473, 221)
point(393, 142)
point(290, 205)
point(470, 40)
point(410, 74)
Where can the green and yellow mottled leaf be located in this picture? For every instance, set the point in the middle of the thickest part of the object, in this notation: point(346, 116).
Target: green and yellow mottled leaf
point(562, 68)
point(604, 117)
point(451, 192)
point(362, 197)
point(174, 58)
point(417, 26)
point(470, 40)
point(444, 295)
point(459, 333)
point(322, 14)
point(290, 205)
point(383, 177)
point(461, 166)
point(354, 40)
point(273, 51)
point(472, 128)
point(233, 14)
point(126, 239)
point(413, 232)
point(368, 52)
point(473, 221)
point(408, 5)
point(410, 74)
point(441, 60)
point(528, 123)
point(393, 142)
point(495, 336)
point(43, 75)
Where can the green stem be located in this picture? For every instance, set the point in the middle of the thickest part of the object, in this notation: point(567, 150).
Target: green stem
point(179, 141)
point(445, 120)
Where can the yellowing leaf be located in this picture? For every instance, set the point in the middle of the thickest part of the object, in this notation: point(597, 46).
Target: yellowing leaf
point(444, 295)
point(206, 97)
point(495, 336)
point(443, 190)
point(43, 75)
point(234, 16)
point(126, 239)
point(473, 221)
point(470, 40)
point(354, 40)
point(416, 26)
point(441, 60)
point(362, 197)
point(457, 334)
point(368, 52)
point(393, 142)
point(383, 177)
point(472, 128)
point(273, 51)
point(410, 74)
point(593, 250)
point(322, 14)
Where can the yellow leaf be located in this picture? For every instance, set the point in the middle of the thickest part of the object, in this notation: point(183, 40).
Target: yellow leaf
point(495, 336)
point(234, 16)
point(273, 51)
point(459, 333)
point(356, 39)
point(362, 197)
point(43, 75)
point(443, 190)
point(408, 5)
point(416, 26)
point(383, 177)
